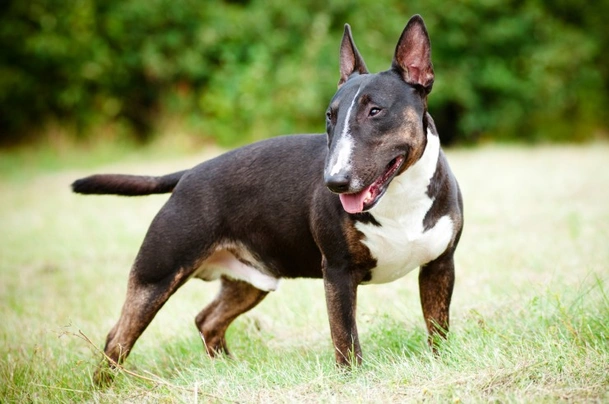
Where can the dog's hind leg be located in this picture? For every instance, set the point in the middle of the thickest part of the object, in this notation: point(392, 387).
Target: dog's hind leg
point(235, 298)
point(436, 282)
point(141, 305)
point(169, 255)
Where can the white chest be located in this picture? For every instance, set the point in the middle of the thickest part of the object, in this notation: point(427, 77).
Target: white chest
point(401, 243)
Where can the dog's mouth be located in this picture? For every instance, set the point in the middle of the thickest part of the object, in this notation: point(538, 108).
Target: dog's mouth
point(368, 197)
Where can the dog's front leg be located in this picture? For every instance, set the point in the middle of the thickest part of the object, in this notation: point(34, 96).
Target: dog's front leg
point(341, 295)
point(436, 281)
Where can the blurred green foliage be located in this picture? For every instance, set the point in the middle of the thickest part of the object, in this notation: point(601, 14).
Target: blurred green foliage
point(236, 71)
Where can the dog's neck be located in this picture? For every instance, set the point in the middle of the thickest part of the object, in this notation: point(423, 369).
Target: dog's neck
point(408, 191)
point(400, 241)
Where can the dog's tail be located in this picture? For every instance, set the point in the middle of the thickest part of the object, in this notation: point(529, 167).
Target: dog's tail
point(127, 185)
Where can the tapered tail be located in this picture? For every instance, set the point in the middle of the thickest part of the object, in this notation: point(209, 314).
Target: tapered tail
point(127, 185)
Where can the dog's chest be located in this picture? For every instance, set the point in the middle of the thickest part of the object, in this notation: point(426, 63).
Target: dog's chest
point(401, 243)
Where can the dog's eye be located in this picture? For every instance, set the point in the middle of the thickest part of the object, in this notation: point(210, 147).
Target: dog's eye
point(374, 111)
point(329, 115)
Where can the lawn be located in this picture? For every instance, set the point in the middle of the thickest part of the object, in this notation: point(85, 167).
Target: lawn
point(530, 312)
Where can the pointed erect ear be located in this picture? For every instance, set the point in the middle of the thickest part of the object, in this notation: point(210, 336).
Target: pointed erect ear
point(350, 59)
point(412, 58)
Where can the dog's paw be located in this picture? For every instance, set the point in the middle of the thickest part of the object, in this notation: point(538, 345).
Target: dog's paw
point(103, 376)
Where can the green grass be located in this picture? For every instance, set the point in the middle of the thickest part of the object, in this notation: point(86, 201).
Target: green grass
point(530, 313)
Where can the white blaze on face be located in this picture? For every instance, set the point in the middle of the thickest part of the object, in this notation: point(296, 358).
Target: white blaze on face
point(341, 159)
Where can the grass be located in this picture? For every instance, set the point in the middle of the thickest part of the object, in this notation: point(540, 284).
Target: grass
point(530, 313)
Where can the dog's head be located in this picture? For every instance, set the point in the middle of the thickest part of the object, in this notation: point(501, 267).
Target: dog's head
point(376, 123)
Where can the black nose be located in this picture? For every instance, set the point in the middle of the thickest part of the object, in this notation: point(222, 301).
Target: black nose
point(338, 183)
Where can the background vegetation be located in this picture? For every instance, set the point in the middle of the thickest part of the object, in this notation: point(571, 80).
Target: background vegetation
point(235, 71)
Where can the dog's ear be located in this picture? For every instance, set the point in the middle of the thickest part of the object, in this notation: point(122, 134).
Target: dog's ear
point(412, 58)
point(350, 59)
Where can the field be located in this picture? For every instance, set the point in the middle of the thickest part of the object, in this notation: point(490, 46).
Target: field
point(530, 312)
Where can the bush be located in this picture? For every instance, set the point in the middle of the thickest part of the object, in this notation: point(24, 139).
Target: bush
point(235, 71)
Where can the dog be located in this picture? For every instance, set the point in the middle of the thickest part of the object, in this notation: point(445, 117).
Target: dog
point(367, 202)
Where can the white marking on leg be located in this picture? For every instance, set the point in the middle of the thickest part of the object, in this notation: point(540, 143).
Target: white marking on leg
point(224, 262)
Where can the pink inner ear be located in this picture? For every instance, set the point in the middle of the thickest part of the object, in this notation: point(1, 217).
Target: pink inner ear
point(413, 56)
point(419, 76)
point(414, 73)
point(350, 59)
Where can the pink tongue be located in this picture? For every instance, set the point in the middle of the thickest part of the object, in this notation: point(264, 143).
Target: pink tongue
point(354, 203)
